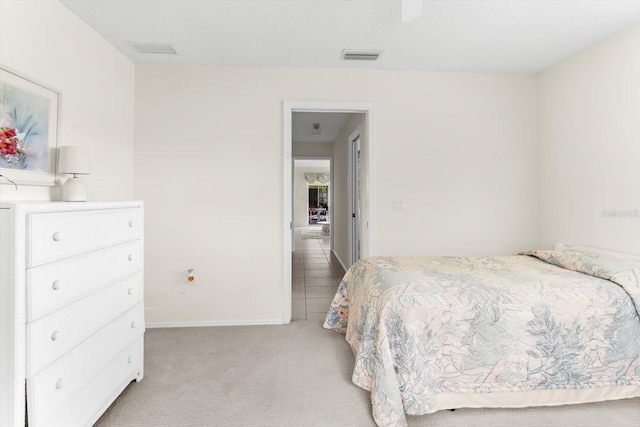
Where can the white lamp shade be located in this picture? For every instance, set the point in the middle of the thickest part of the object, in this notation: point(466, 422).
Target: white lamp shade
point(74, 159)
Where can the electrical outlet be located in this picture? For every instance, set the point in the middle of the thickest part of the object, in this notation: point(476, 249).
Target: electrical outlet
point(191, 278)
point(398, 205)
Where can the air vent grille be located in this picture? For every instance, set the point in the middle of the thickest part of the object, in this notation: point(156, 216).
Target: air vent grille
point(360, 55)
point(154, 48)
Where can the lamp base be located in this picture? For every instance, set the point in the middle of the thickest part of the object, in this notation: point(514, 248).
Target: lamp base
point(74, 190)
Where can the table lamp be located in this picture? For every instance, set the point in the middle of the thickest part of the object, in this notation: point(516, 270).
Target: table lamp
point(74, 160)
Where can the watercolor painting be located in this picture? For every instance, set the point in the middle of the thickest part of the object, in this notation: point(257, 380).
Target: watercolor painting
point(28, 127)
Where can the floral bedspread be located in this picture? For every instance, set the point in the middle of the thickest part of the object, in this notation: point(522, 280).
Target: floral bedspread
point(538, 320)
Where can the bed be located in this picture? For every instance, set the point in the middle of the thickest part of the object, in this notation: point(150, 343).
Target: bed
point(538, 328)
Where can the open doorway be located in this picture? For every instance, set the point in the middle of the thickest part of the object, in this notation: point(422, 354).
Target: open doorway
point(318, 196)
point(312, 196)
point(341, 250)
point(315, 269)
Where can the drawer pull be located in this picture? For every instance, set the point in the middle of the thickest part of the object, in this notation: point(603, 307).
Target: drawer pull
point(130, 257)
point(55, 335)
point(57, 236)
point(134, 324)
point(59, 384)
point(129, 359)
point(56, 286)
point(130, 291)
point(131, 224)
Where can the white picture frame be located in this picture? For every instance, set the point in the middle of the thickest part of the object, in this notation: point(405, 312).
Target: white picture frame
point(28, 130)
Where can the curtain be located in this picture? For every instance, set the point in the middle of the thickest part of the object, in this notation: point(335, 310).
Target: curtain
point(321, 177)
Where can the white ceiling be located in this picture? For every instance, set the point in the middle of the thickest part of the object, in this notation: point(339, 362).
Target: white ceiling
point(519, 36)
point(511, 36)
point(330, 126)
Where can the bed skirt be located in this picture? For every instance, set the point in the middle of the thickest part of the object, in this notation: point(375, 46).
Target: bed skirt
point(533, 398)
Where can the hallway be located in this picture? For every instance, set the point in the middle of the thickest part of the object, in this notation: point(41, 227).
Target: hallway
point(315, 276)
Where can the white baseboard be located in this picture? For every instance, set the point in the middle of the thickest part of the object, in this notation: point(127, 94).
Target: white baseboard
point(339, 260)
point(199, 323)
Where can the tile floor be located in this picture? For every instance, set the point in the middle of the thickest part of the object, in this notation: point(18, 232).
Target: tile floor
point(316, 275)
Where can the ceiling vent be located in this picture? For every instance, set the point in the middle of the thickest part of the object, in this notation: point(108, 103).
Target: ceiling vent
point(154, 48)
point(360, 55)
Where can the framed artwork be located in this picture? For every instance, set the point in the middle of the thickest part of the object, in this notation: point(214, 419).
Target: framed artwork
point(28, 130)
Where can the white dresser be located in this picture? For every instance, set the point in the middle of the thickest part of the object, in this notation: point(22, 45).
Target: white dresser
point(71, 310)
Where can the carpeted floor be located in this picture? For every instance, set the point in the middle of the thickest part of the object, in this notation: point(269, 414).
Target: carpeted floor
point(291, 375)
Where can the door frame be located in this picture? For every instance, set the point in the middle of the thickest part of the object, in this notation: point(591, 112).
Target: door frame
point(368, 160)
point(330, 212)
point(354, 208)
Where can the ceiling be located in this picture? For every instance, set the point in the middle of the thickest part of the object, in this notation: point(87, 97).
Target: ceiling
point(505, 36)
point(515, 36)
point(330, 126)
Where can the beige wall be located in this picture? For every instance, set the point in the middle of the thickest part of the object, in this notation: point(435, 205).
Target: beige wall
point(342, 205)
point(312, 149)
point(44, 41)
point(467, 172)
point(459, 148)
point(589, 139)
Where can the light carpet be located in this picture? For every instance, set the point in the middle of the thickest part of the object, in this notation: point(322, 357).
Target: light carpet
point(292, 375)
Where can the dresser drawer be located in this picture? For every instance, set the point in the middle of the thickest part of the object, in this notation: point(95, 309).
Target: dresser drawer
point(56, 284)
point(85, 407)
point(54, 236)
point(58, 382)
point(53, 335)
